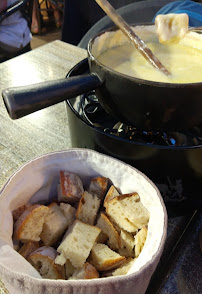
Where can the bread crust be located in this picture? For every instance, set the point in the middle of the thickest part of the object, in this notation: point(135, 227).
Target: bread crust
point(112, 192)
point(124, 268)
point(88, 271)
point(88, 208)
point(98, 187)
point(43, 259)
point(128, 212)
point(28, 248)
point(107, 228)
point(17, 212)
point(29, 225)
point(54, 225)
point(140, 239)
point(70, 189)
point(103, 258)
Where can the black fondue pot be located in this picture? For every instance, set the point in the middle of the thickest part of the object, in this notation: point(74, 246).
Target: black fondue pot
point(176, 170)
point(145, 104)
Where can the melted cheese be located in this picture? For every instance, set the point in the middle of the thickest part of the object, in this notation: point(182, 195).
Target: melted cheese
point(183, 60)
point(171, 27)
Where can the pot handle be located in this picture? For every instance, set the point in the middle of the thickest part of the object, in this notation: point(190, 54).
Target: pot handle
point(21, 101)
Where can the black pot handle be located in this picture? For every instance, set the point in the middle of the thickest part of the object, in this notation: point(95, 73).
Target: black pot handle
point(21, 101)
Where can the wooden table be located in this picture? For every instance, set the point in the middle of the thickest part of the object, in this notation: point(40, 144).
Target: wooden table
point(46, 130)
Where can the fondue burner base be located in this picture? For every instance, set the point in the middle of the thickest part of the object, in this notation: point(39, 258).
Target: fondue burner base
point(176, 170)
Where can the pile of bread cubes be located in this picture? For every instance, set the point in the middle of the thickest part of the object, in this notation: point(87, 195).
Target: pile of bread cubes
point(83, 234)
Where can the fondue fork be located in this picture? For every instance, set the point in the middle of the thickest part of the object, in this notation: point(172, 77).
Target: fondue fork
point(131, 35)
point(195, 29)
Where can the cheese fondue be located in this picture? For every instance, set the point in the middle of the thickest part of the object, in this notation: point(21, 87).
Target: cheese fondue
point(183, 60)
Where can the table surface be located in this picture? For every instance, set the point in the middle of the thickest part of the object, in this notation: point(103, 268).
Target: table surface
point(47, 131)
point(43, 131)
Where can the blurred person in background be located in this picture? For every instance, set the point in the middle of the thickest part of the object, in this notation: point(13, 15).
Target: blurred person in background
point(35, 21)
point(81, 15)
point(15, 35)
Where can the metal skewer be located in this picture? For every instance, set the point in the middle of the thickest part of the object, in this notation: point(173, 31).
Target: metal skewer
point(195, 29)
point(136, 40)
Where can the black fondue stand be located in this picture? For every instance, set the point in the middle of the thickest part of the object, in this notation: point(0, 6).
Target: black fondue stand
point(55, 128)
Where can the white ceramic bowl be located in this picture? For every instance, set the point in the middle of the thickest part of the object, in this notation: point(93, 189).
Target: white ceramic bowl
point(37, 180)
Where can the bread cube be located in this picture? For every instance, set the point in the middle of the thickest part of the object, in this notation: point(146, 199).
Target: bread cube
point(103, 258)
point(128, 212)
point(69, 212)
point(128, 241)
point(54, 225)
point(88, 208)
point(70, 188)
point(88, 271)
point(29, 225)
point(140, 239)
point(112, 192)
point(107, 228)
point(17, 212)
point(124, 268)
point(98, 187)
point(43, 260)
point(77, 243)
point(69, 269)
point(28, 248)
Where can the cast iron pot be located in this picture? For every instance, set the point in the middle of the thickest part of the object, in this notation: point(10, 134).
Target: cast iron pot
point(145, 104)
point(176, 170)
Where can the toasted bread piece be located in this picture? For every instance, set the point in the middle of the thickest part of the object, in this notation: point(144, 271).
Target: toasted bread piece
point(69, 212)
point(124, 268)
point(28, 248)
point(88, 271)
point(69, 269)
point(29, 225)
point(70, 188)
point(128, 212)
point(43, 260)
point(112, 192)
point(88, 208)
point(128, 242)
point(140, 239)
point(54, 225)
point(103, 258)
point(125, 252)
point(114, 224)
point(17, 212)
point(107, 228)
point(98, 187)
point(77, 243)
